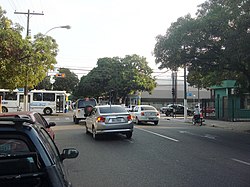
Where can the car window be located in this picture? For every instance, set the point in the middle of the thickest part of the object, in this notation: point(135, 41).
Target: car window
point(39, 119)
point(85, 102)
point(135, 109)
point(13, 146)
point(147, 108)
point(17, 156)
point(112, 109)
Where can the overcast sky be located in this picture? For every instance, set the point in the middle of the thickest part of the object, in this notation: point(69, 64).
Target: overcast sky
point(100, 28)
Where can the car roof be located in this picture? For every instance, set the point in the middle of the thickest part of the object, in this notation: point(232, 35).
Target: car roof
point(21, 114)
point(17, 113)
point(144, 105)
point(101, 106)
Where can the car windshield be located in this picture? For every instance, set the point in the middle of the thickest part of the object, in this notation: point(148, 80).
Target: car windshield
point(147, 108)
point(84, 103)
point(112, 109)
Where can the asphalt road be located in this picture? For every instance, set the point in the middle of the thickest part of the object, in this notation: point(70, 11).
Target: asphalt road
point(170, 154)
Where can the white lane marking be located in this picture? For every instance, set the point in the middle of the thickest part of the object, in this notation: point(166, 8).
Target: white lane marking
point(240, 161)
point(209, 136)
point(166, 137)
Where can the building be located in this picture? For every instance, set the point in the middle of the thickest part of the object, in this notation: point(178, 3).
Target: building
point(162, 95)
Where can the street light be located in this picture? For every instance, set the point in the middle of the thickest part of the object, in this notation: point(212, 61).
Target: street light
point(26, 82)
point(63, 27)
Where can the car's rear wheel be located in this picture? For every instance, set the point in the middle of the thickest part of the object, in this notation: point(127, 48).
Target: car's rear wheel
point(77, 121)
point(156, 122)
point(137, 121)
point(129, 135)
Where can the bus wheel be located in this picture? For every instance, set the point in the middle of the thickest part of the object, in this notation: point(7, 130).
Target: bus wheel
point(4, 109)
point(47, 111)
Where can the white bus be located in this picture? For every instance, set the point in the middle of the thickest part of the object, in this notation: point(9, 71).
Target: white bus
point(42, 101)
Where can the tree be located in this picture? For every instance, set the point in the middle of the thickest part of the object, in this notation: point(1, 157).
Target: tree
point(44, 84)
point(23, 61)
point(117, 76)
point(215, 45)
point(68, 82)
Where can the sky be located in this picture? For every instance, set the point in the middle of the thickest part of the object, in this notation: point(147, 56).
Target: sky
point(100, 28)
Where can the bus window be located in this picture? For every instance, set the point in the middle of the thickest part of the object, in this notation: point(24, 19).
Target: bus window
point(48, 96)
point(37, 97)
point(11, 96)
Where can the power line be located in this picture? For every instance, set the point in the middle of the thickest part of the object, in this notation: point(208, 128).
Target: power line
point(28, 17)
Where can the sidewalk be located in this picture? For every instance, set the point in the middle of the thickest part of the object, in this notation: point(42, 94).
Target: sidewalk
point(229, 125)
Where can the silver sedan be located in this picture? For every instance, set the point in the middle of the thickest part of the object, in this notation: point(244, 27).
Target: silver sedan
point(109, 119)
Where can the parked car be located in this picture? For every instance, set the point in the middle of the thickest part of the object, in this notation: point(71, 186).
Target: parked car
point(173, 109)
point(106, 119)
point(34, 117)
point(145, 113)
point(29, 157)
point(163, 109)
point(79, 108)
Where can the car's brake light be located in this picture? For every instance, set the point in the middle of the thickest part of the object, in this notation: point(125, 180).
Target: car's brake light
point(158, 113)
point(129, 117)
point(142, 113)
point(100, 119)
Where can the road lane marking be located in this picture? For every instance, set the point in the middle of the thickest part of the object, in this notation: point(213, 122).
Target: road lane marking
point(209, 136)
point(160, 135)
point(240, 161)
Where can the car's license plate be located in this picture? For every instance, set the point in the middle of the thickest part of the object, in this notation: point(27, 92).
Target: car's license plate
point(115, 120)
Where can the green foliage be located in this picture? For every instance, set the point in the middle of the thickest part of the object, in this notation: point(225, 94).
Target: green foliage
point(44, 84)
point(68, 82)
point(214, 45)
point(23, 61)
point(121, 76)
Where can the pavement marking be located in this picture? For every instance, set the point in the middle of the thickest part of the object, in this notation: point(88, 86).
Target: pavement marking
point(160, 135)
point(240, 161)
point(209, 136)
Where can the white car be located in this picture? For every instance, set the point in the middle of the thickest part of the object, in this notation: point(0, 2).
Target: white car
point(145, 113)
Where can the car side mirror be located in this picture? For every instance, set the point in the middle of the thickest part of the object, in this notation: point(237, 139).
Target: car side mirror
point(51, 124)
point(69, 153)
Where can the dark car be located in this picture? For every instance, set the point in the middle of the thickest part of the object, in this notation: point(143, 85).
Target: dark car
point(174, 109)
point(35, 117)
point(29, 157)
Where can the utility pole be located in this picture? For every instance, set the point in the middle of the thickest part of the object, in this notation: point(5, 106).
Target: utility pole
point(28, 18)
point(185, 93)
point(25, 102)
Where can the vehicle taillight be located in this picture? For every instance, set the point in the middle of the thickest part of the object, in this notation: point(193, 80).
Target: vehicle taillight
point(158, 113)
point(100, 119)
point(142, 113)
point(129, 117)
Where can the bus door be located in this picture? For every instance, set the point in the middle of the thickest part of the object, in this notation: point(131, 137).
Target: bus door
point(60, 103)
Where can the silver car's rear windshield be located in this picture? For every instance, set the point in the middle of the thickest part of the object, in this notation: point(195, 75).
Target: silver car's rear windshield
point(147, 108)
point(112, 109)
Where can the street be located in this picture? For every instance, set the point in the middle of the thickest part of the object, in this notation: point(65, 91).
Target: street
point(170, 154)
